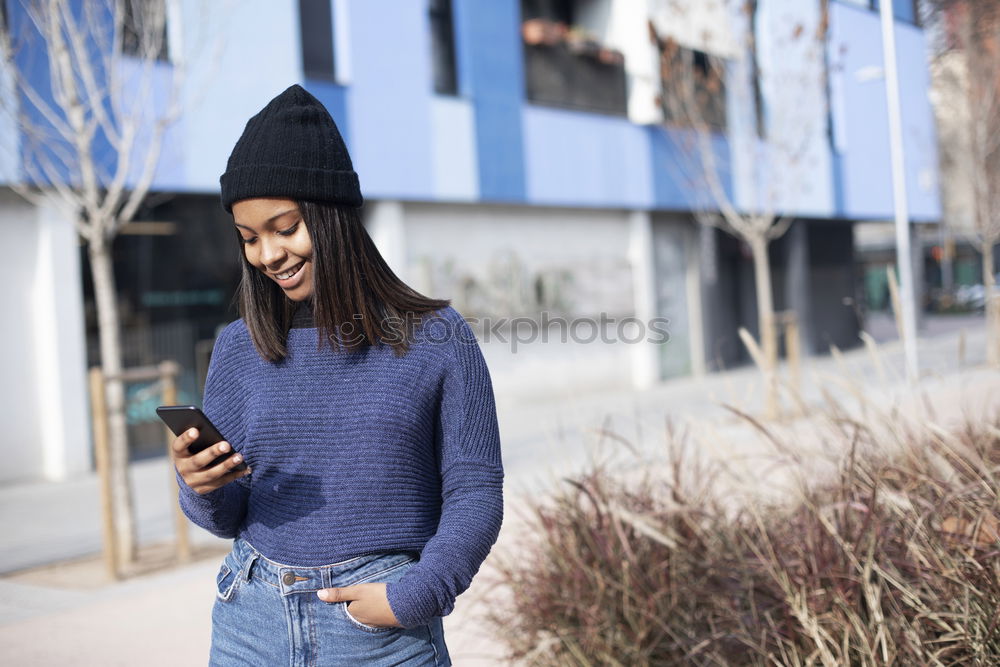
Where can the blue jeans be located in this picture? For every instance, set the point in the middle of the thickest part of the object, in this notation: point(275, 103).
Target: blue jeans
point(267, 613)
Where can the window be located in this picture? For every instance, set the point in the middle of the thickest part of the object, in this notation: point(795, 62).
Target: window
point(903, 10)
point(316, 30)
point(443, 48)
point(693, 86)
point(144, 29)
point(560, 11)
point(565, 65)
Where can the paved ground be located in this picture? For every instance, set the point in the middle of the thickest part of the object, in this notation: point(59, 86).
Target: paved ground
point(69, 614)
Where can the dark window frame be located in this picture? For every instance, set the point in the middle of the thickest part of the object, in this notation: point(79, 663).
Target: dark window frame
point(317, 48)
point(444, 59)
point(759, 105)
point(551, 10)
point(130, 40)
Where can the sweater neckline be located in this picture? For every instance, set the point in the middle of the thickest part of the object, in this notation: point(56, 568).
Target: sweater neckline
point(303, 316)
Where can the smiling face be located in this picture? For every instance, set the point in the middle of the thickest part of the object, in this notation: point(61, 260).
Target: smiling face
point(277, 243)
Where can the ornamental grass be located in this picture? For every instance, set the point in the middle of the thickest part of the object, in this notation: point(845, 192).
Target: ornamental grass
point(893, 559)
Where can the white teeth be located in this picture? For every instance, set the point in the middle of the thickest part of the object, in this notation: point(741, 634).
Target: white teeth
point(289, 273)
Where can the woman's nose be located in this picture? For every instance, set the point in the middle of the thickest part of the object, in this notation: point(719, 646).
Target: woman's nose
point(272, 253)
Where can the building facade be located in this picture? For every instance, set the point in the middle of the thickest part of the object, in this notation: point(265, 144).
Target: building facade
point(516, 157)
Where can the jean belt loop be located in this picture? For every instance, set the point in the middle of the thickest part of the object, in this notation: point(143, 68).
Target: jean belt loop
point(245, 572)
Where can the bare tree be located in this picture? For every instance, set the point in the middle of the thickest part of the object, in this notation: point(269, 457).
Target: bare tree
point(92, 129)
point(693, 100)
point(967, 105)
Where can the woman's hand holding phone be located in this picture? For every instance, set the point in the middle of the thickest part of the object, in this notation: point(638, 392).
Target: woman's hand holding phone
point(196, 469)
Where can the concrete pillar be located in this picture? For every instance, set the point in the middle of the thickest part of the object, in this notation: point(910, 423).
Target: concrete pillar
point(60, 346)
point(43, 399)
point(20, 447)
point(797, 282)
point(385, 222)
point(693, 288)
point(677, 285)
point(645, 355)
point(708, 272)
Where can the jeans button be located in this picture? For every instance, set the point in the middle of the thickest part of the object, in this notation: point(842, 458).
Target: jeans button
point(288, 579)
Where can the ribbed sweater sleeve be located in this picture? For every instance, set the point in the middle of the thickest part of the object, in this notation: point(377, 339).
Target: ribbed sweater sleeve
point(221, 512)
point(471, 489)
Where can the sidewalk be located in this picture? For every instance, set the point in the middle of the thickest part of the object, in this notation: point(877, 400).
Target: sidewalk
point(543, 439)
point(141, 620)
point(48, 522)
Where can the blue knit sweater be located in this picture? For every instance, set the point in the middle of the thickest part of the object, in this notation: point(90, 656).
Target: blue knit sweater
point(360, 454)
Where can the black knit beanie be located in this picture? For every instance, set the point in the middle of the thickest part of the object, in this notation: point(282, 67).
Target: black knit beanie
point(292, 149)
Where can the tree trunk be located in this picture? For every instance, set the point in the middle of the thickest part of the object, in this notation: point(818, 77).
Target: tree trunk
point(765, 321)
point(106, 296)
point(992, 305)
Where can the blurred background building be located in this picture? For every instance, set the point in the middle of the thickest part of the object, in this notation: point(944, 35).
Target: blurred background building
point(516, 157)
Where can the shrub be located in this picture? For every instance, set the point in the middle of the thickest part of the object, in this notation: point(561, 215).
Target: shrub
point(895, 560)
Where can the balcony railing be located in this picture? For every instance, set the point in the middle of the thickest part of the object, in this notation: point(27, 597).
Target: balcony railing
point(566, 70)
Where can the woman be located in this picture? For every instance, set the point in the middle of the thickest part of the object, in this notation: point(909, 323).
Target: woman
point(366, 415)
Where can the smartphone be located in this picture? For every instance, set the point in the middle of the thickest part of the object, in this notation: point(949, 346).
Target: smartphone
point(182, 417)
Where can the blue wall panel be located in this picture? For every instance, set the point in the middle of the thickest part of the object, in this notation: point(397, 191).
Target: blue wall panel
point(334, 98)
point(860, 116)
point(388, 98)
point(901, 9)
point(677, 180)
point(45, 154)
point(584, 159)
point(455, 165)
point(491, 73)
point(919, 129)
point(170, 169)
point(257, 58)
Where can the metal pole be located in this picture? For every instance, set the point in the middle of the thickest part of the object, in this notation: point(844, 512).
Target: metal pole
point(903, 254)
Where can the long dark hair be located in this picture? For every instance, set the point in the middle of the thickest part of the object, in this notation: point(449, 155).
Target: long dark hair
point(357, 300)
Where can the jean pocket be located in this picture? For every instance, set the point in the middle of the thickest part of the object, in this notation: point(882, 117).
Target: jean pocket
point(225, 582)
point(374, 629)
point(382, 570)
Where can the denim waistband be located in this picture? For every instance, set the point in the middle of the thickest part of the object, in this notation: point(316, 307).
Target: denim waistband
point(309, 578)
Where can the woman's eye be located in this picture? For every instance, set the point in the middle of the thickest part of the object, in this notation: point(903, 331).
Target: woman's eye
point(247, 241)
point(290, 230)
